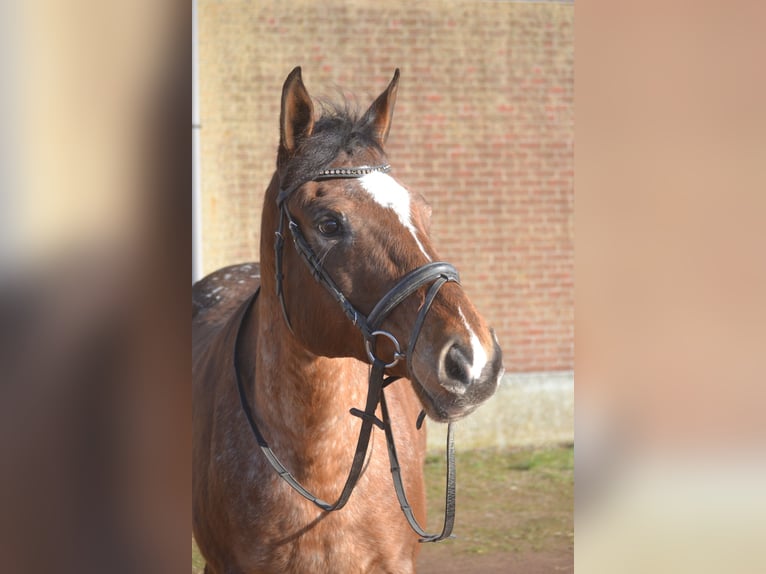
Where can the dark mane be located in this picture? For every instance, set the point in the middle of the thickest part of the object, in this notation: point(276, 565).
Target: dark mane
point(339, 128)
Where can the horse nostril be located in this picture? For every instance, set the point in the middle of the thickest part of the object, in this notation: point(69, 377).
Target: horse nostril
point(457, 364)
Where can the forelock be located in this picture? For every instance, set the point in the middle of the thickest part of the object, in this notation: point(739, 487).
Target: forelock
point(339, 128)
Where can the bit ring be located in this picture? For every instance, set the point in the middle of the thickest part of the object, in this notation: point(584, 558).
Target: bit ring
point(398, 355)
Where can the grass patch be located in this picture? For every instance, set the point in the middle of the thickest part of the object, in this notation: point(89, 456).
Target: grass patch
point(198, 563)
point(507, 500)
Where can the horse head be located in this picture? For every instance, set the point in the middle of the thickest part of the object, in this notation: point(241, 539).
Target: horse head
point(363, 231)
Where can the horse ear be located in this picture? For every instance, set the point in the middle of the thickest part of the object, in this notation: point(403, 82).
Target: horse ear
point(296, 120)
point(382, 110)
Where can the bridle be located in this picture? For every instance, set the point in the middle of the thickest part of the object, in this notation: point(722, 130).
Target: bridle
point(435, 274)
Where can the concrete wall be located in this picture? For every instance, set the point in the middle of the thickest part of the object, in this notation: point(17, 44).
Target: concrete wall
point(528, 409)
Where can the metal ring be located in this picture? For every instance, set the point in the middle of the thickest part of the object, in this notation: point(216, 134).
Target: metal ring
point(397, 350)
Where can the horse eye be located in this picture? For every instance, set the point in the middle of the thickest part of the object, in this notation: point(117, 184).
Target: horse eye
point(329, 227)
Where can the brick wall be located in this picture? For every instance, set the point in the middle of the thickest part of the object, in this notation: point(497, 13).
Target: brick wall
point(483, 128)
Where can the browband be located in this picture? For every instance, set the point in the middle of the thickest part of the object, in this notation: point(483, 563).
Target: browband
point(332, 173)
point(350, 172)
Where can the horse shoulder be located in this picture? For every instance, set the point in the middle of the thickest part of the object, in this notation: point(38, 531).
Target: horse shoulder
point(216, 296)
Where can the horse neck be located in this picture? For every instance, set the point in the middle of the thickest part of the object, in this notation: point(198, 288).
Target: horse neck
point(303, 400)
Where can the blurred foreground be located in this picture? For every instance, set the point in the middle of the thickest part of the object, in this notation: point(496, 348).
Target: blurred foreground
point(94, 267)
point(670, 281)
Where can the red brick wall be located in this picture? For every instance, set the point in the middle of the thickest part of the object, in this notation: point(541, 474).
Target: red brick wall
point(483, 128)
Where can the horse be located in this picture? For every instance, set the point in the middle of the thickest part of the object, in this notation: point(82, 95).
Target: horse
point(285, 349)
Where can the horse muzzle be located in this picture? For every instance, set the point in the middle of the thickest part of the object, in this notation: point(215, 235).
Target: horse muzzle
point(462, 381)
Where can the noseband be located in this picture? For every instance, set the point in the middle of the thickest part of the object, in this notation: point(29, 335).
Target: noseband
point(435, 274)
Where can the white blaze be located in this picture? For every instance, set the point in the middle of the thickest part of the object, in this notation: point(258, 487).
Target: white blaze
point(387, 192)
point(479, 354)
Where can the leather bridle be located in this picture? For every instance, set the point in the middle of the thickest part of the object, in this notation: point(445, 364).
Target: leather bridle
point(435, 274)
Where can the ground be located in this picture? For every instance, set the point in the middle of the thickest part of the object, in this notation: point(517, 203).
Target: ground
point(514, 513)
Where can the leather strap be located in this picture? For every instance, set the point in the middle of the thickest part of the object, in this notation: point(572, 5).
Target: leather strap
point(374, 394)
point(350, 172)
point(321, 275)
point(279, 241)
point(407, 285)
point(396, 474)
point(449, 507)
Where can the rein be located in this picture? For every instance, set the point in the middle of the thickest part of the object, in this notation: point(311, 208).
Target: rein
point(436, 274)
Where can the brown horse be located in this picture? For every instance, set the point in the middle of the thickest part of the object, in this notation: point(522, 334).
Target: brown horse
point(303, 359)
